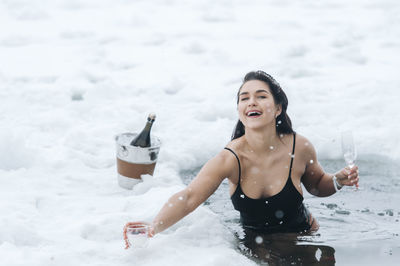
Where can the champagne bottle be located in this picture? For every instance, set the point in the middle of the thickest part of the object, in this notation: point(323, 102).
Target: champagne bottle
point(143, 139)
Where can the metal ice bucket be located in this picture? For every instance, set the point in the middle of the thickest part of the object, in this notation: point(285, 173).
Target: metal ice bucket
point(132, 161)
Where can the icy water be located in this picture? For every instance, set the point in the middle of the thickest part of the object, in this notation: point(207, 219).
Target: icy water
point(356, 227)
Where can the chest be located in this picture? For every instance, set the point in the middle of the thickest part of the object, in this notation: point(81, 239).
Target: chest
point(266, 176)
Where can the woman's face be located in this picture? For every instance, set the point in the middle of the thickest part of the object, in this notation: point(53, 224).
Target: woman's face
point(256, 105)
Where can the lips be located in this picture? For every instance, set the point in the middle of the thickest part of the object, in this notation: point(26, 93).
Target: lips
point(253, 113)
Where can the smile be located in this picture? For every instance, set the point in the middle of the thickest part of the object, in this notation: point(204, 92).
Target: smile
point(253, 113)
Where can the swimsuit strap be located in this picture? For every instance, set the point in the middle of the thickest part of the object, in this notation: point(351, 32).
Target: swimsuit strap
point(291, 161)
point(237, 160)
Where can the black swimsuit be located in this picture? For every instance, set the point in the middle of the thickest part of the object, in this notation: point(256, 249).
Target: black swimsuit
point(283, 212)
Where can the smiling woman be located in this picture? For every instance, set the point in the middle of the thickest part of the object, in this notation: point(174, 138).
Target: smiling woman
point(271, 89)
point(265, 163)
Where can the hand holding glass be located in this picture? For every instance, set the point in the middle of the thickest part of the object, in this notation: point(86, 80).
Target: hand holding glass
point(136, 235)
point(349, 149)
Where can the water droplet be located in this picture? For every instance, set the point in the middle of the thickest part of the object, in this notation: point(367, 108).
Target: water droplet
point(311, 161)
point(279, 122)
point(318, 254)
point(281, 135)
point(255, 170)
point(170, 204)
point(266, 201)
point(286, 166)
point(180, 198)
point(281, 222)
point(271, 147)
point(292, 155)
point(259, 239)
point(306, 143)
point(279, 214)
point(242, 196)
point(266, 223)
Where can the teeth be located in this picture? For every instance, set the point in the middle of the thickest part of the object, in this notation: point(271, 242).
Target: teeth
point(253, 113)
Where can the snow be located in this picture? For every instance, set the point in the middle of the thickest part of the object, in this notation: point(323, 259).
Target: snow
point(76, 73)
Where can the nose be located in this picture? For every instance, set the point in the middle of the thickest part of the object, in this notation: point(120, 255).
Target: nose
point(252, 101)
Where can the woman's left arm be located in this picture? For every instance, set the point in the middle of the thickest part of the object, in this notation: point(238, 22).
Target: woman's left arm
point(319, 183)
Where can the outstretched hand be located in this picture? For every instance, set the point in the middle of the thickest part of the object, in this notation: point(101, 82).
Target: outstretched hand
point(348, 177)
point(150, 232)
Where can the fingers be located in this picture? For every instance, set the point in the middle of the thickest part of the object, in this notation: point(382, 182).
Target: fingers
point(130, 225)
point(135, 224)
point(127, 244)
point(352, 170)
point(354, 181)
point(349, 176)
point(150, 233)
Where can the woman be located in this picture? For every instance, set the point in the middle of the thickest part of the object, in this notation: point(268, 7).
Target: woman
point(265, 163)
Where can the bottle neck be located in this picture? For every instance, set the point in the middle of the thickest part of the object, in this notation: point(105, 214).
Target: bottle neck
point(149, 124)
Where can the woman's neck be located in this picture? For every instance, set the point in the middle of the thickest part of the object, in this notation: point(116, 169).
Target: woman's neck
point(262, 141)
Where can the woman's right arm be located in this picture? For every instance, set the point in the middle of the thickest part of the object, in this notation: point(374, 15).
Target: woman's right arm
point(184, 202)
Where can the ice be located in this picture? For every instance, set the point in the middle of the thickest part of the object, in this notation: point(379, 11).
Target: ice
point(77, 73)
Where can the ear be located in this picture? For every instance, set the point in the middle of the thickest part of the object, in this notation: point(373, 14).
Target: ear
point(278, 110)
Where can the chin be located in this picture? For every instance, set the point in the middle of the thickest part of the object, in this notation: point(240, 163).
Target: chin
point(255, 125)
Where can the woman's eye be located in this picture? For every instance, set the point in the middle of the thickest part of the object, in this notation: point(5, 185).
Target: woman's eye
point(262, 97)
point(244, 99)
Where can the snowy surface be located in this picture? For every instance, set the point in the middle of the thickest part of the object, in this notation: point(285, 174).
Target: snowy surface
point(74, 74)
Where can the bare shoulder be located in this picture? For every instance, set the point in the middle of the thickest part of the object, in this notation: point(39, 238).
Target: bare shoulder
point(304, 147)
point(302, 141)
point(235, 145)
point(224, 163)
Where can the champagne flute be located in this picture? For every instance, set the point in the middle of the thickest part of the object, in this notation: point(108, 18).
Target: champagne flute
point(348, 149)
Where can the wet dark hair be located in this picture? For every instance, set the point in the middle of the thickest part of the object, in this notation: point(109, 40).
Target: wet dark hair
point(283, 123)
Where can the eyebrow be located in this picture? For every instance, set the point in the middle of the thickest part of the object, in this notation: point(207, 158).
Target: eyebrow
point(245, 92)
